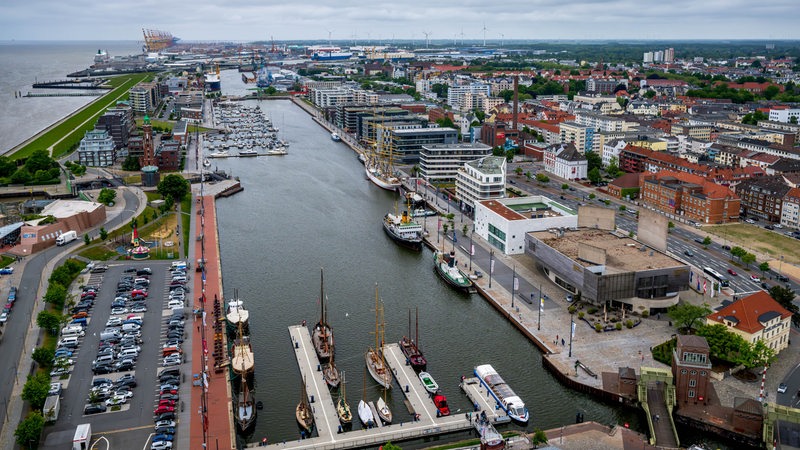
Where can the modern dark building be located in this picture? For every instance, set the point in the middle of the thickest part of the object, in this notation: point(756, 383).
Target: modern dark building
point(119, 124)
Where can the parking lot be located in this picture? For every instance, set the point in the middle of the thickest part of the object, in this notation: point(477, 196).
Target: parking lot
point(128, 330)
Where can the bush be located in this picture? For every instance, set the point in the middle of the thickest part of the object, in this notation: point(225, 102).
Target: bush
point(618, 326)
point(663, 352)
point(645, 314)
point(30, 430)
point(598, 327)
point(592, 310)
point(572, 309)
point(629, 323)
point(580, 315)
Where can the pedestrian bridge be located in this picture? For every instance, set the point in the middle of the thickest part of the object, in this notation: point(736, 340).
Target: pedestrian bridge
point(656, 394)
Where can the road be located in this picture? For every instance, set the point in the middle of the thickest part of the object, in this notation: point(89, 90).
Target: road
point(21, 320)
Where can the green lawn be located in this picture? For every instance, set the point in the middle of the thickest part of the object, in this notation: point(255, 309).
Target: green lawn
point(6, 260)
point(186, 207)
point(754, 238)
point(98, 253)
point(72, 127)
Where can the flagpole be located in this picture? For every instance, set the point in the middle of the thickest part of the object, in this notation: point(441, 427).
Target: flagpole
point(513, 285)
point(471, 250)
point(541, 306)
point(491, 266)
point(571, 332)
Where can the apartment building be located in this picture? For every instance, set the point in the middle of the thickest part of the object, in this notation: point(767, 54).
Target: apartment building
point(689, 196)
point(442, 162)
point(481, 179)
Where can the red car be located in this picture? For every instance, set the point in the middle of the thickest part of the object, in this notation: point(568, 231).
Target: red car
point(165, 402)
point(168, 391)
point(732, 272)
point(163, 409)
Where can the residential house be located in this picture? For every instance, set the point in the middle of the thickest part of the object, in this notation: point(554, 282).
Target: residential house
point(757, 317)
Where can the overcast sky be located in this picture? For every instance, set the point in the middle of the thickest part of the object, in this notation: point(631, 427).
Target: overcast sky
point(381, 20)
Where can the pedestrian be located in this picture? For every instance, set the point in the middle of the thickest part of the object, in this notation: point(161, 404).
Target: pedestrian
point(562, 342)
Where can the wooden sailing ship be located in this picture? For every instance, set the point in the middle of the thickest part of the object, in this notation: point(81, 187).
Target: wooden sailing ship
point(322, 334)
point(376, 365)
point(303, 413)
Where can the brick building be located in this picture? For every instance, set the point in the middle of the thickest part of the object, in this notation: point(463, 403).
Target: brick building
point(689, 196)
point(691, 369)
point(762, 197)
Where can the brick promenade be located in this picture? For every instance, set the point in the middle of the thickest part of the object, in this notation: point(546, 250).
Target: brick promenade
point(220, 433)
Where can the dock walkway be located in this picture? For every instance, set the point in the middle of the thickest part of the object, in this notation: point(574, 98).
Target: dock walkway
point(410, 384)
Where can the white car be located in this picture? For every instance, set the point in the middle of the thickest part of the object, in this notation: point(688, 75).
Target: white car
point(123, 393)
point(161, 445)
point(116, 400)
point(55, 389)
point(114, 322)
point(175, 304)
point(755, 278)
point(3, 318)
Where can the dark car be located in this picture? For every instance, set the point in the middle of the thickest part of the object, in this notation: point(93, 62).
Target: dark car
point(101, 381)
point(130, 270)
point(170, 381)
point(163, 437)
point(783, 278)
point(171, 371)
point(165, 430)
point(94, 408)
point(688, 253)
point(102, 369)
point(165, 416)
point(726, 247)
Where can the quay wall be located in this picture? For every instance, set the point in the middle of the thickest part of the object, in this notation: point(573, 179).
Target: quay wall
point(707, 427)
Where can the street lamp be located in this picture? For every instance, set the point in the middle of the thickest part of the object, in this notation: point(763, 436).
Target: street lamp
point(491, 267)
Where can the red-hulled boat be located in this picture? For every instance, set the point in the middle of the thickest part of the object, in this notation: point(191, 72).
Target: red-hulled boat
point(441, 405)
point(410, 347)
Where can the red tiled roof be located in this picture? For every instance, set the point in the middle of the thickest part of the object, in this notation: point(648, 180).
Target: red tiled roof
point(629, 180)
point(710, 189)
point(747, 311)
point(447, 68)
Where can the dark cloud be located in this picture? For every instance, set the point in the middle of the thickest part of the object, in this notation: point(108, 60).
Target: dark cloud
point(384, 19)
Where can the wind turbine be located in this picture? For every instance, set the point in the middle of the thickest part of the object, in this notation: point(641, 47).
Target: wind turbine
point(354, 36)
point(427, 38)
point(484, 33)
point(462, 36)
point(502, 38)
point(329, 37)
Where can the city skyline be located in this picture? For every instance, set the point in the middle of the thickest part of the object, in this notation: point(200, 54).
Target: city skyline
point(382, 21)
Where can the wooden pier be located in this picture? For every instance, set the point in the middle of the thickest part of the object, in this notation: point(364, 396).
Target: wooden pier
point(483, 401)
point(326, 422)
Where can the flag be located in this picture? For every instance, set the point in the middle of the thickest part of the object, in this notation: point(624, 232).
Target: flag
point(454, 237)
point(204, 318)
point(439, 222)
point(573, 331)
point(472, 249)
point(491, 267)
point(541, 303)
point(704, 286)
point(516, 283)
point(691, 275)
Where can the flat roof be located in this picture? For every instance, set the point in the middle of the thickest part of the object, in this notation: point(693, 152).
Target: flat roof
point(623, 254)
point(62, 209)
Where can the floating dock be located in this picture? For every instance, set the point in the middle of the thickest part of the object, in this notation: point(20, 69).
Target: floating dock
point(326, 422)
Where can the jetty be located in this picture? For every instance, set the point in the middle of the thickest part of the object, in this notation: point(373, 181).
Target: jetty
point(420, 422)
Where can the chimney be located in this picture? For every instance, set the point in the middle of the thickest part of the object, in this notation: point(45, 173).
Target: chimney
point(516, 101)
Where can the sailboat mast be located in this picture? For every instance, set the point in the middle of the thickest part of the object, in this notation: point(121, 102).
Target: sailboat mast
point(322, 296)
point(376, 317)
point(416, 332)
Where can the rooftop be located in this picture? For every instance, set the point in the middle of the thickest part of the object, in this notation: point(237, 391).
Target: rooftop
point(62, 209)
point(623, 254)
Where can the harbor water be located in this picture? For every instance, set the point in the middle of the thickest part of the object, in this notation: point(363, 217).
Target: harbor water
point(314, 208)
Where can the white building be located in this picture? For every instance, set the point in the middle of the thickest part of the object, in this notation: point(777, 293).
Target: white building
point(504, 223)
point(790, 211)
point(599, 122)
point(481, 179)
point(331, 97)
point(565, 161)
point(784, 115)
point(441, 162)
point(612, 150)
point(97, 149)
point(455, 94)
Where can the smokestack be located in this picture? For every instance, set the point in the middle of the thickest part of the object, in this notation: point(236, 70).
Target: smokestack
point(516, 101)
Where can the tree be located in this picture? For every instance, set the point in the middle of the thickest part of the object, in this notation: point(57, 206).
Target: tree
point(86, 239)
point(763, 267)
point(565, 186)
point(174, 186)
point(539, 437)
point(465, 229)
point(785, 296)
point(35, 389)
point(594, 161)
point(30, 429)
point(44, 357)
point(103, 234)
point(686, 315)
point(445, 227)
point(592, 196)
point(724, 344)
point(542, 178)
point(649, 94)
point(48, 320)
point(518, 171)
point(56, 295)
point(670, 225)
point(613, 169)
point(390, 446)
point(747, 259)
point(107, 196)
point(707, 241)
point(738, 252)
point(594, 175)
point(793, 120)
point(754, 117)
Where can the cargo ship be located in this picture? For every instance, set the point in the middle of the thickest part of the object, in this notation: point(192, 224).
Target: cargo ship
point(328, 53)
point(502, 393)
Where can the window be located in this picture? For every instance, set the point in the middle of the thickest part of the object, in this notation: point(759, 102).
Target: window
point(692, 382)
point(691, 393)
point(683, 372)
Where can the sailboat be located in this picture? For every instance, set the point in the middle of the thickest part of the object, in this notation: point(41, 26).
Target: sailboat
point(245, 408)
point(342, 407)
point(383, 409)
point(410, 347)
point(242, 360)
point(303, 414)
point(206, 163)
point(322, 335)
point(374, 357)
point(380, 172)
point(364, 411)
point(331, 374)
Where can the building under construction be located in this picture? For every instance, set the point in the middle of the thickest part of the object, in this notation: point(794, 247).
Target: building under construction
point(155, 40)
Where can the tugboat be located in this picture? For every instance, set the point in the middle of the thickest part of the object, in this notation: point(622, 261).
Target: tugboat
point(410, 347)
point(403, 230)
point(447, 268)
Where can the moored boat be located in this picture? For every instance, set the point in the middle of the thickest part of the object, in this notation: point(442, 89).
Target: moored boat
point(206, 163)
point(303, 413)
point(365, 414)
point(245, 408)
point(440, 401)
point(384, 412)
point(403, 230)
point(331, 374)
point(335, 137)
point(422, 212)
point(237, 315)
point(277, 152)
point(322, 334)
point(376, 365)
point(248, 152)
point(428, 382)
point(502, 393)
point(218, 154)
point(447, 268)
point(342, 407)
point(242, 360)
point(410, 347)
point(380, 178)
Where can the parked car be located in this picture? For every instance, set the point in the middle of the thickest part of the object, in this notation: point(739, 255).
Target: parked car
point(163, 409)
point(6, 271)
point(55, 389)
point(782, 388)
point(94, 408)
point(116, 400)
point(782, 278)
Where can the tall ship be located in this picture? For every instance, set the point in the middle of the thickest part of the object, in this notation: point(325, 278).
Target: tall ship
point(403, 230)
point(381, 176)
point(447, 268)
point(242, 360)
point(328, 53)
point(410, 347)
point(322, 334)
point(506, 398)
point(376, 365)
point(245, 407)
point(236, 315)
